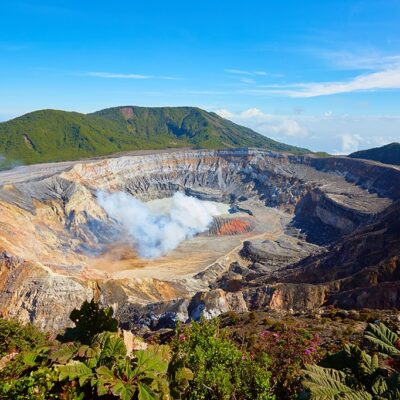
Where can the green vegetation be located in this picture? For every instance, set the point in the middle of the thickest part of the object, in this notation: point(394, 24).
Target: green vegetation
point(388, 154)
point(201, 361)
point(354, 374)
point(89, 320)
point(14, 339)
point(222, 371)
point(51, 135)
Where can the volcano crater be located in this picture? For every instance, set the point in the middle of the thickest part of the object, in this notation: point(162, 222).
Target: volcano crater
point(279, 210)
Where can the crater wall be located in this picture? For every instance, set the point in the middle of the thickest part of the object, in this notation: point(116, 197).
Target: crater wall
point(51, 226)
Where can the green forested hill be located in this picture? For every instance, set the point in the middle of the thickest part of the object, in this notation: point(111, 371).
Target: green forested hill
point(52, 135)
point(388, 154)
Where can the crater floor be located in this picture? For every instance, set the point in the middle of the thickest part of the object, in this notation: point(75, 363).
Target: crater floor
point(196, 254)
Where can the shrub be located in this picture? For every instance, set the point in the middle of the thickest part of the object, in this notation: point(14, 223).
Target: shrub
point(289, 348)
point(220, 369)
point(352, 373)
point(15, 337)
point(90, 320)
point(103, 368)
point(86, 369)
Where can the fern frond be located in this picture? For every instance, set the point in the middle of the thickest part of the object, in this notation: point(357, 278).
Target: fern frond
point(383, 338)
point(330, 384)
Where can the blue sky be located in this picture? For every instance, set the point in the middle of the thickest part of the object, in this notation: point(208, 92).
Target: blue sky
point(320, 74)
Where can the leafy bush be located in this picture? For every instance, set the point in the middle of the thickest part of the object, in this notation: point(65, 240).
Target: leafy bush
point(103, 368)
point(202, 362)
point(221, 370)
point(289, 347)
point(96, 366)
point(90, 320)
point(354, 374)
point(15, 338)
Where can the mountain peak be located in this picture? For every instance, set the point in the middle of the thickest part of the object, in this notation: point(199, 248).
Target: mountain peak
point(56, 135)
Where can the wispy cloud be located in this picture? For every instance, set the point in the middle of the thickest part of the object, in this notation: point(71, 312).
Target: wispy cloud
point(335, 133)
point(381, 80)
point(117, 75)
point(359, 59)
point(268, 124)
point(247, 80)
point(250, 73)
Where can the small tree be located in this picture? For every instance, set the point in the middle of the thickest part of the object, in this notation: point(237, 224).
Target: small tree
point(89, 320)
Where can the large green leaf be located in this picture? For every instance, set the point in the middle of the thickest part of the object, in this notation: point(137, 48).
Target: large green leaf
point(105, 373)
point(74, 370)
point(383, 338)
point(145, 393)
point(64, 353)
point(123, 390)
point(330, 384)
point(110, 345)
point(149, 362)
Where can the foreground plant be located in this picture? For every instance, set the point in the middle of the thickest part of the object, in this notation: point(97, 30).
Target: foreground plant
point(290, 348)
point(220, 369)
point(87, 369)
point(353, 374)
point(90, 319)
point(104, 368)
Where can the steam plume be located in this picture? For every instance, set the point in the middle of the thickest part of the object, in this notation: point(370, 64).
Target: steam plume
point(155, 231)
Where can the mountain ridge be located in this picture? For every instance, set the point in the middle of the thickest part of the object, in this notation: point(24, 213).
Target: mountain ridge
point(56, 135)
point(387, 154)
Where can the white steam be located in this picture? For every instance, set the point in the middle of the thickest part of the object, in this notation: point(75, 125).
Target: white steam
point(158, 227)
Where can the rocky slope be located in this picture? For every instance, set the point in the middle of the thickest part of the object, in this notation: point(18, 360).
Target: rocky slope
point(59, 246)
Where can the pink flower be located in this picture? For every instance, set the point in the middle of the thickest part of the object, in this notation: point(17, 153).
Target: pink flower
point(309, 351)
point(182, 338)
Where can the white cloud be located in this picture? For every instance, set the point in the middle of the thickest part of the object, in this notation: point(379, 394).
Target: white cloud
point(250, 73)
point(254, 113)
point(247, 80)
point(350, 143)
point(388, 79)
point(114, 75)
point(331, 132)
point(225, 113)
point(361, 59)
point(268, 124)
point(290, 128)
